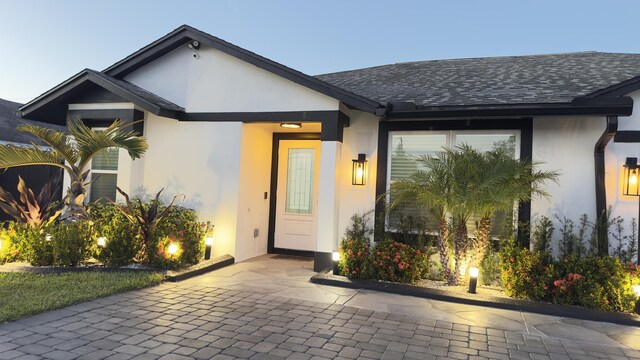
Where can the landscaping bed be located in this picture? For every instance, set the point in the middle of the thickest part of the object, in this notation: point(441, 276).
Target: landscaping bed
point(485, 296)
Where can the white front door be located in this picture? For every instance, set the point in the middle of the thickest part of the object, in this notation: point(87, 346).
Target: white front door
point(297, 195)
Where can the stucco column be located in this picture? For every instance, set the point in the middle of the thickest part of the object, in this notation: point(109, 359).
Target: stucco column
point(328, 204)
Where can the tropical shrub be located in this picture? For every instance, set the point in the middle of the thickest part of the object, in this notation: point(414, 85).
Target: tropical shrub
point(71, 243)
point(14, 237)
point(490, 269)
point(180, 227)
point(600, 282)
point(398, 262)
point(354, 249)
point(122, 243)
point(526, 274)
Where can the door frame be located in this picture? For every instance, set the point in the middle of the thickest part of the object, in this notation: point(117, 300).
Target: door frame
point(271, 249)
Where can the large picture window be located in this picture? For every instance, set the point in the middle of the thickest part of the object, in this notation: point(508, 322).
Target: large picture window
point(406, 147)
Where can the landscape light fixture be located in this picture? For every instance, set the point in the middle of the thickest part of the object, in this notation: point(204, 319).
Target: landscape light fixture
point(208, 241)
point(173, 249)
point(47, 237)
point(473, 280)
point(336, 258)
point(359, 176)
point(102, 241)
point(291, 125)
point(631, 185)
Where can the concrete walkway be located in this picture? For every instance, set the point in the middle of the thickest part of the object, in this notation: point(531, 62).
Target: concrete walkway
point(267, 309)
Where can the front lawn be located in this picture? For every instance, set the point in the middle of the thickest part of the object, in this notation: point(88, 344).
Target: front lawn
point(23, 294)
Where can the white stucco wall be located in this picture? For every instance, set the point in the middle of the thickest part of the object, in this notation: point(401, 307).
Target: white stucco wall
point(566, 144)
point(254, 181)
point(202, 161)
point(213, 81)
point(615, 156)
point(359, 138)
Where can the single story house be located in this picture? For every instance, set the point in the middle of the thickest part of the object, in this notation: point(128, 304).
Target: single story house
point(267, 153)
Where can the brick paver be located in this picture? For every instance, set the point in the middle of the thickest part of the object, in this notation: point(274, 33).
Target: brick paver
point(200, 322)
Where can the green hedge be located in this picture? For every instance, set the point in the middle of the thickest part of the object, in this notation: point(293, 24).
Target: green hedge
point(592, 281)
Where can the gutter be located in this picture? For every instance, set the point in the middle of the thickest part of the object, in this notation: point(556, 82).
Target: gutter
point(601, 191)
point(622, 106)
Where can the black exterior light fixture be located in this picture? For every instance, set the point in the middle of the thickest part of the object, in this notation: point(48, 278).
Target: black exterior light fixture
point(291, 125)
point(473, 279)
point(335, 256)
point(359, 176)
point(208, 242)
point(631, 185)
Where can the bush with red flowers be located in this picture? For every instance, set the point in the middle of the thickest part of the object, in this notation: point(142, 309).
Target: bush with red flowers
point(354, 249)
point(398, 262)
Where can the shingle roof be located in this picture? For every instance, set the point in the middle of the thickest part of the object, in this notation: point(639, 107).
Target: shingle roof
point(555, 78)
point(9, 121)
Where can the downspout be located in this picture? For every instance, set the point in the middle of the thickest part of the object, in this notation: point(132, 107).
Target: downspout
point(601, 192)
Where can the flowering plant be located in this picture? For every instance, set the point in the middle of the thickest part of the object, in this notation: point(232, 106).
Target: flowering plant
point(394, 261)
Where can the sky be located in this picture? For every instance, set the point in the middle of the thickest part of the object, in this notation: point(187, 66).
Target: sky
point(43, 43)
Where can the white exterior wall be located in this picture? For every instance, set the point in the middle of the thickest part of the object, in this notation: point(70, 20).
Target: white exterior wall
point(213, 81)
point(359, 138)
point(202, 161)
point(566, 144)
point(615, 156)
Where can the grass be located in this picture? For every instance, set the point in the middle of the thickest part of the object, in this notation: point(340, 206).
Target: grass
point(24, 294)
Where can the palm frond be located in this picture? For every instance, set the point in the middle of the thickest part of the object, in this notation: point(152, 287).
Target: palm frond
point(14, 156)
point(57, 140)
point(114, 136)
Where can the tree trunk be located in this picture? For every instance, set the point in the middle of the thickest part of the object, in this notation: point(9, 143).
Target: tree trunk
point(443, 248)
point(461, 247)
point(75, 210)
point(482, 241)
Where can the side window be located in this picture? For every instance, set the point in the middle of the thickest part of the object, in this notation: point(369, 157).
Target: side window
point(104, 175)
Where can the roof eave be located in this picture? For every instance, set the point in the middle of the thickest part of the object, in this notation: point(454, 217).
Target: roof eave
point(621, 106)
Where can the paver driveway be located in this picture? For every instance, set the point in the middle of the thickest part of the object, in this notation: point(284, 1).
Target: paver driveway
point(267, 309)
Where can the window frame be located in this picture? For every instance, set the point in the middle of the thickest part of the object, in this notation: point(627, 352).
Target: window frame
point(523, 150)
point(100, 171)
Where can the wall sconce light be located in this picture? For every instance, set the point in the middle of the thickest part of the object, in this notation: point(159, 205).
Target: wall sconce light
point(336, 258)
point(473, 280)
point(208, 241)
point(102, 241)
point(291, 125)
point(359, 176)
point(630, 177)
point(631, 185)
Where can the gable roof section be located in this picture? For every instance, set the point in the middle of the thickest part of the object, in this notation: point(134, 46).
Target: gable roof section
point(9, 121)
point(493, 81)
point(146, 100)
point(184, 34)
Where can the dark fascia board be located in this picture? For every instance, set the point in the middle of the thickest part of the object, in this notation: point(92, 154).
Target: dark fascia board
point(621, 106)
point(185, 34)
point(100, 80)
point(619, 89)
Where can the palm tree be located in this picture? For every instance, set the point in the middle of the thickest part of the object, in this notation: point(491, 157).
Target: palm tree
point(431, 191)
point(72, 152)
point(504, 180)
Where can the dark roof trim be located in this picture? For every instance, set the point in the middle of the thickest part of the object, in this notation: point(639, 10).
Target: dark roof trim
point(618, 89)
point(622, 106)
point(185, 33)
point(270, 116)
point(100, 80)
